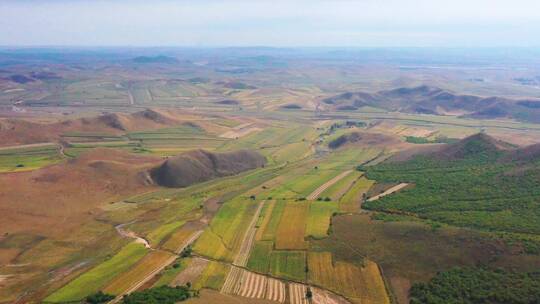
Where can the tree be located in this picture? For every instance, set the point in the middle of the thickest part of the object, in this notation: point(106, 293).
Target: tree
point(309, 294)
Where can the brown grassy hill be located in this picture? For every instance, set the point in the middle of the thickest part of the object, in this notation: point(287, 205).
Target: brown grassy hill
point(18, 131)
point(54, 198)
point(524, 155)
point(432, 100)
point(200, 165)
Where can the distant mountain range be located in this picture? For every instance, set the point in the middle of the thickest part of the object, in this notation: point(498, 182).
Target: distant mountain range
point(432, 100)
point(155, 59)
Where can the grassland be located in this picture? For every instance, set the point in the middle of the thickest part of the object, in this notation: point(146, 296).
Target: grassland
point(96, 278)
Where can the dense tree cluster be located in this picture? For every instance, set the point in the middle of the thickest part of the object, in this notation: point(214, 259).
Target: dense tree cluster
point(478, 285)
point(476, 191)
point(158, 295)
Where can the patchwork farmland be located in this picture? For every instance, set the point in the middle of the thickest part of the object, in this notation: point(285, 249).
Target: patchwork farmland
point(254, 179)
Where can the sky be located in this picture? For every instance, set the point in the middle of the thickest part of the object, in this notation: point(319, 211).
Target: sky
point(276, 23)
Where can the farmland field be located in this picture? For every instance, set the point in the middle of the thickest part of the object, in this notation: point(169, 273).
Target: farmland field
point(351, 200)
point(97, 277)
point(138, 273)
point(288, 264)
point(223, 238)
point(213, 276)
point(292, 226)
point(31, 158)
point(318, 219)
point(362, 284)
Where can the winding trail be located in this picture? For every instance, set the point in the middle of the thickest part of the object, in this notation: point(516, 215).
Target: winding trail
point(315, 194)
point(130, 234)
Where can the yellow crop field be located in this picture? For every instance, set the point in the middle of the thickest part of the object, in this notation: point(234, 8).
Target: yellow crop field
point(139, 272)
point(265, 219)
point(360, 284)
point(350, 202)
point(213, 276)
point(291, 230)
point(177, 239)
point(211, 245)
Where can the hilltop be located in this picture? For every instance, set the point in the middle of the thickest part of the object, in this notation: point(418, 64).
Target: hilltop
point(200, 165)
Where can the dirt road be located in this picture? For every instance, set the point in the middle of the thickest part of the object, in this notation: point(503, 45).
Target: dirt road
point(315, 194)
point(243, 255)
point(389, 191)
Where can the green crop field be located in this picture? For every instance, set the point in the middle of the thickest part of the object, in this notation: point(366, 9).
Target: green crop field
point(31, 158)
point(97, 277)
point(338, 190)
point(318, 221)
point(259, 260)
point(288, 265)
point(226, 229)
point(350, 201)
point(274, 217)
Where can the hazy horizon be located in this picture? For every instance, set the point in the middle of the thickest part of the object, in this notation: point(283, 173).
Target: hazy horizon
point(240, 23)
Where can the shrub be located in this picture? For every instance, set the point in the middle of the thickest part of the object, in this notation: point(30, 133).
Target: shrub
point(99, 297)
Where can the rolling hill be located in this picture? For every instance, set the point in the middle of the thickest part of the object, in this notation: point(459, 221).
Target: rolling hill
point(432, 100)
point(19, 131)
point(200, 165)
